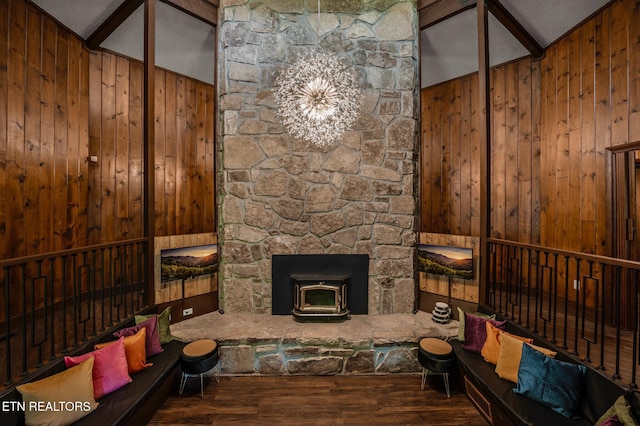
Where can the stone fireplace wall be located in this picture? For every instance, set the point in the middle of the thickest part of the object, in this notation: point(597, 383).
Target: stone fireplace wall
point(279, 195)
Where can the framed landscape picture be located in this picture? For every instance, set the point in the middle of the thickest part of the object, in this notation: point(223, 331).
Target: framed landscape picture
point(188, 262)
point(449, 261)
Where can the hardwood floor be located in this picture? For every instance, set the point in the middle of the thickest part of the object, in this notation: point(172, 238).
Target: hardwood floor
point(319, 400)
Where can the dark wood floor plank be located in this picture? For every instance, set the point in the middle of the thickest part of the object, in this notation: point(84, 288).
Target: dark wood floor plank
point(319, 400)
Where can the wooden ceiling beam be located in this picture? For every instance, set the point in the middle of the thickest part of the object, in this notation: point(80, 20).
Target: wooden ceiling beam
point(112, 22)
point(484, 136)
point(149, 137)
point(430, 12)
point(519, 32)
point(204, 10)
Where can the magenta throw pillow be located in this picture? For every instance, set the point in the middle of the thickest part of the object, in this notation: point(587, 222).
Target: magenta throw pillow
point(110, 370)
point(475, 331)
point(152, 341)
point(611, 421)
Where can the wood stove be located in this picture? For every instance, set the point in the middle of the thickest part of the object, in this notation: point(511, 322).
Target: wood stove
point(320, 296)
point(343, 270)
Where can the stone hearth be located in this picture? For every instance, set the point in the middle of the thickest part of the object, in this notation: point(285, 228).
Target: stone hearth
point(260, 344)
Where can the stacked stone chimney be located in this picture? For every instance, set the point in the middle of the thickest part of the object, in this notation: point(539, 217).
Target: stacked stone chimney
point(279, 195)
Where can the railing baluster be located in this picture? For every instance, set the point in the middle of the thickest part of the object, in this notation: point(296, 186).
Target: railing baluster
point(577, 313)
point(616, 374)
point(554, 298)
point(25, 366)
point(92, 289)
point(110, 282)
point(52, 277)
point(566, 309)
point(634, 346)
point(491, 288)
point(520, 284)
point(76, 317)
point(63, 262)
point(603, 272)
point(102, 281)
point(7, 320)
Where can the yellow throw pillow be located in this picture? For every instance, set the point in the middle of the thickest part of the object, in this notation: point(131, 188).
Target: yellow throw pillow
point(491, 348)
point(135, 349)
point(510, 354)
point(60, 399)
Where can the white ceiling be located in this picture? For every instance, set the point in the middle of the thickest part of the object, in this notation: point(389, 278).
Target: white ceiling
point(186, 45)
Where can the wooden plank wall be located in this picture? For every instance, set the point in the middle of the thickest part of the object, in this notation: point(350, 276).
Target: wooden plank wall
point(184, 151)
point(60, 104)
point(552, 123)
point(43, 134)
point(450, 181)
point(591, 94)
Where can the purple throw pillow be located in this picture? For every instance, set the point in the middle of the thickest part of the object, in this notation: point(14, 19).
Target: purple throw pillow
point(475, 331)
point(152, 341)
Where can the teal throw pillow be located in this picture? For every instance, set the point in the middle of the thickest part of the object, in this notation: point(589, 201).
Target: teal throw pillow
point(551, 382)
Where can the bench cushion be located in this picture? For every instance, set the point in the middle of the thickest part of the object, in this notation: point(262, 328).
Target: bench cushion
point(117, 407)
point(519, 409)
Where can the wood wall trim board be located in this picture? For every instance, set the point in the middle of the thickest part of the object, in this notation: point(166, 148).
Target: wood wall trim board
point(201, 304)
point(427, 302)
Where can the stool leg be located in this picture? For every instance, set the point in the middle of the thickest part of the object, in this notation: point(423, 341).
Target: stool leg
point(446, 384)
point(183, 381)
point(424, 378)
point(201, 387)
point(216, 375)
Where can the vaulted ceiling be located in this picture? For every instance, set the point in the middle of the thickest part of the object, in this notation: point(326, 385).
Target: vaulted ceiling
point(449, 47)
point(186, 39)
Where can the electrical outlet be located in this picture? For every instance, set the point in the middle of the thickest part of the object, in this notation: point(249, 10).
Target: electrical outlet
point(187, 312)
point(576, 285)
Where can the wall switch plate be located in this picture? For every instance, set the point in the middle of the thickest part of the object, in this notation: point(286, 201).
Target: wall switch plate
point(576, 285)
point(187, 312)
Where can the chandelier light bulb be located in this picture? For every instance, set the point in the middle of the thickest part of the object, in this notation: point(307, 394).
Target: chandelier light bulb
point(318, 98)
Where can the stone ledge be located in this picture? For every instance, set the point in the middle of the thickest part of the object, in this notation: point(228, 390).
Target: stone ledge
point(263, 344)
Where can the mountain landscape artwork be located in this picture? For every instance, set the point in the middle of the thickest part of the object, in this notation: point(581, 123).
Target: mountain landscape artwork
point(445, 260)
point(188, 262)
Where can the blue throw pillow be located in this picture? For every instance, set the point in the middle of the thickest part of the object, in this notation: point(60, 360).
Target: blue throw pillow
point(556, 384)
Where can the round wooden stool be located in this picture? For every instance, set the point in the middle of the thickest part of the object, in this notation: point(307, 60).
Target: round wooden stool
point(436, 356)
point(197, 359)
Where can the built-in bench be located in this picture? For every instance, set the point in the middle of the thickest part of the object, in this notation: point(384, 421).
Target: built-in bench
point(134, 404)
point(495, 400)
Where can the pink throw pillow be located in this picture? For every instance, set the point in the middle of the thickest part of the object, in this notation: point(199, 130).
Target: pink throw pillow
point(110, 371)
point(152, 341)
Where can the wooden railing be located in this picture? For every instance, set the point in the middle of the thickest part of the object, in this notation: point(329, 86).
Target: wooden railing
point(53, 302)
point(585, 304)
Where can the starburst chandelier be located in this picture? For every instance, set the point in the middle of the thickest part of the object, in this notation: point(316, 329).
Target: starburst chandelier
point(318, 97)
